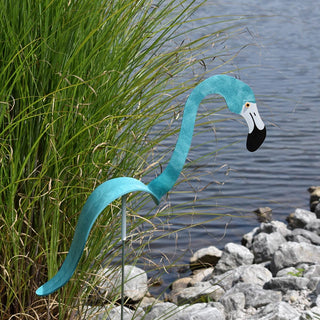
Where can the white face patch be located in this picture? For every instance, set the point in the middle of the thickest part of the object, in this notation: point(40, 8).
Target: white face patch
point(252, 117)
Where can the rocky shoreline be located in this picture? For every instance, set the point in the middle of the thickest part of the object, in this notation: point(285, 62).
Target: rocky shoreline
point(273, 275)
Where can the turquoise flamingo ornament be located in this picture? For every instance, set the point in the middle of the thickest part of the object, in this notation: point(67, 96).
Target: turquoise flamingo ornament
point(239, 99)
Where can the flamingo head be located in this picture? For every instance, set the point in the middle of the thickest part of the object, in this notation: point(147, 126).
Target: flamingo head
point(257, 129)
point(241, 100)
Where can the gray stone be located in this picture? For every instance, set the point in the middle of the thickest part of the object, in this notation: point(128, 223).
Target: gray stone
point(291, 254)
point(255, 296)
point(277, 311)
point(264, 214)
point(317, 209)
point(264, 245)
point(128, 314)
point(110, 313)
point(317, 291)
point(148, 301)
point(201, 275)
point(259, 297)
point(163, 311)
point(275, 226)
point(287, 272)
point(312, 271)
point(217, 305)
point(299, 238)
point(224, 280)
point(247, 239)
point(313, 314)
point(109, 284)
point(234, 301)
point(314, 226)
point(91, 313)
point(254, 274)
point(234, 255)
point(201, 292)
point(313, 283)
point(180, 284)
point(300, 300)
point(200, 311)
point(300, 218)
point(205, 258)
point(314, 194)
point(299, 235)
point(284, 284)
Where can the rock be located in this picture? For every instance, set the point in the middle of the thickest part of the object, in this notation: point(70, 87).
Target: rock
point(290, 254)
point(313, 313)
point(313, 283)
point(233, 303)
point(109, 284)
point(254, 274)
point(181, 284)
point(148, 301)
point(233, 255)
point(314, 197)
point(255, 296)
point(91, 313)
point(199, 311)
point(312, 272)
point(164, 310)
point(201, 275)
point(314, 226)
point(109, 313)
point(259, 297)
point(302, 235)
point(264, 245)
point(284, 284)
point(264, 214)
point(128, 314)
point(202, 291)
point(287, 272)
point(300, 300)
point(299, 238)
point(300, 218)
point(217, 305)
point(224, 280)
point(277, 311)
point(317, 291)
point(247, 239)
point(275, 226)
point(205, 258)
point(317, 209)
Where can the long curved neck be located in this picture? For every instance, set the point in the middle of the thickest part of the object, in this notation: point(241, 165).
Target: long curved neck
point(220, 84)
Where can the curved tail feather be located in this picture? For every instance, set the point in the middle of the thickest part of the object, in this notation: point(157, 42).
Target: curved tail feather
point(99, 199)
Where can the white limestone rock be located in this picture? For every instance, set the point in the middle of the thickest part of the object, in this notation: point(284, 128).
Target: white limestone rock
point(233, 256)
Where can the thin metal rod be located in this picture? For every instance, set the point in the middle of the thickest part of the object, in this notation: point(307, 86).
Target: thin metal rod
point(123, 242)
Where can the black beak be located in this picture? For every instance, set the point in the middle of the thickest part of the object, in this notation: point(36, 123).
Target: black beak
point(256, 138)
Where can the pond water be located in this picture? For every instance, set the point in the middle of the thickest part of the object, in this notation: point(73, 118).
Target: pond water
point(283, 68)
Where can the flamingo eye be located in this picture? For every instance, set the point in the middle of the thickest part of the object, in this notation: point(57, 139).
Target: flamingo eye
point(247, 105)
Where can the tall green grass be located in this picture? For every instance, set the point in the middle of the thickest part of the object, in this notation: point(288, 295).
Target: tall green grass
point(82, 83)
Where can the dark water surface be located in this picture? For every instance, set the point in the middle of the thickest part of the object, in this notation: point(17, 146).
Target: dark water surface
point(283, 69)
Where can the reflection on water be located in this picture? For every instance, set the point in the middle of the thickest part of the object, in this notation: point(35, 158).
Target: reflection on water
point(283, 69)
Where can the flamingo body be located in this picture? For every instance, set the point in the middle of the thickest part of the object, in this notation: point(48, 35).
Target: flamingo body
point(239, 98)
